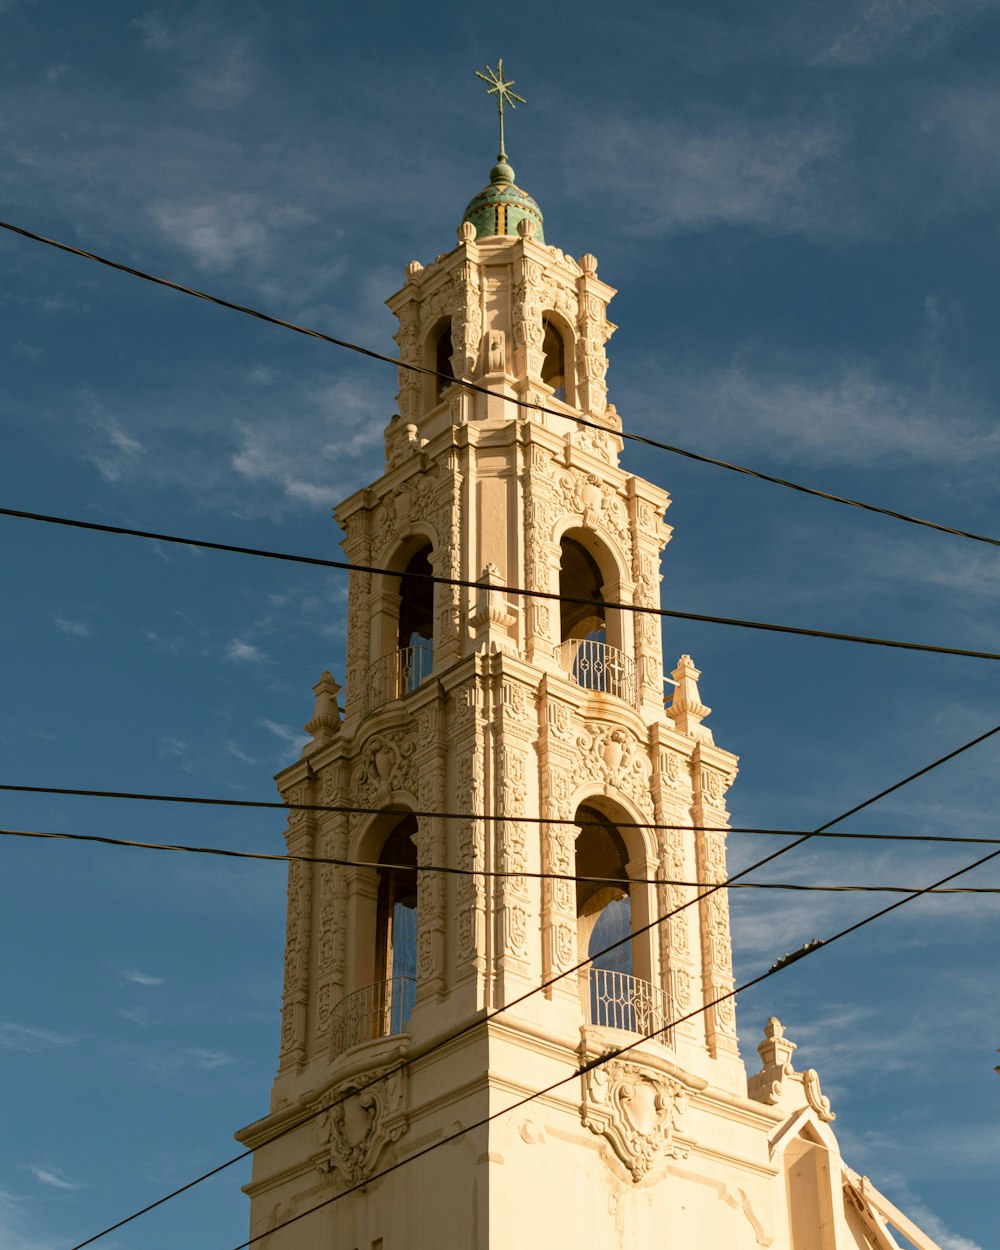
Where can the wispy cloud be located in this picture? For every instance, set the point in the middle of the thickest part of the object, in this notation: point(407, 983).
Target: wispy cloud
point(293, 739)
point(78, 629)
point(112, 451)
point(890, 30)
point(175, 1058)
point(52, 1177)
point(241, 652)
point(225, 229)
point(142, 978)
point(724, 169)
point(15, 1036)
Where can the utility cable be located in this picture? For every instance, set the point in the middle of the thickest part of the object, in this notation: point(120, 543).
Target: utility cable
point(582, 1069)
point(478, 1023)
point(482, 390)
point(346, 565)
point(446, 870)
point(354, 810)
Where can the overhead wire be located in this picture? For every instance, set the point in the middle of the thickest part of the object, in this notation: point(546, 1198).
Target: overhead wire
point(519, 591)
point(546, 984)
point(353, 809)
point(641, 439)
point(450, 870)
point(616, 1052)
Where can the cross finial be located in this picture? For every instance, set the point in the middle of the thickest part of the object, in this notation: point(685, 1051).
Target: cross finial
point(499, 86)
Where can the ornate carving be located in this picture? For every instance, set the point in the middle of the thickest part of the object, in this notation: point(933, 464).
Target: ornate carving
point(358, 1126)
point(638, 1113)
point(598, 504)
point(388, 764)
point(616, 756)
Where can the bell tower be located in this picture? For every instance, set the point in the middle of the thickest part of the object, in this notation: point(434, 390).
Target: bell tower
point(506, 712)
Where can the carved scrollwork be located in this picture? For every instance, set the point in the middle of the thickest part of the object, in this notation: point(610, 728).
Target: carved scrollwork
point(388, 764)
point(617, 758)
point(360, 1123)
point(638, 1113)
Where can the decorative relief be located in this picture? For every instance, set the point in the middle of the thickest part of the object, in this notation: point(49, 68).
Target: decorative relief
point(598, 504)
point(388, 764)
point(617, 758)
point(360, 1123)
point(638, 1113)
point(778, 1082)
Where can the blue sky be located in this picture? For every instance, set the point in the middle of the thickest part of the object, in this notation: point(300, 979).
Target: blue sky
point(796, 202)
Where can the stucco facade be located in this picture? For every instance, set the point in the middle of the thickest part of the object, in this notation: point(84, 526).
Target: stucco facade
point(536, 734)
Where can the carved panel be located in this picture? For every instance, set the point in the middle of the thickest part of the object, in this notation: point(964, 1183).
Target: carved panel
point(615, 756)
point(360, 1123)
point(639, 1114)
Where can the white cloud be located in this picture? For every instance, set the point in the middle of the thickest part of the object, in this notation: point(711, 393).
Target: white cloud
point(723, 169)
point(155, 35)
point(236, 751)
point(112, 451)
point(207, 1059)
point(142, 978)
point(22, 1037)
point(52, 1177)
point(225, 229)
point(241, 652)
point(295, 740)
point(839, 411)
point(882, 30)
point(78, 629)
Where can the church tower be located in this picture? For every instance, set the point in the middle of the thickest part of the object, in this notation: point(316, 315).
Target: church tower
point(473, 716)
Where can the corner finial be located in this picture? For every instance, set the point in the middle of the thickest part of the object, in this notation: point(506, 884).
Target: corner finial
point(499, 86)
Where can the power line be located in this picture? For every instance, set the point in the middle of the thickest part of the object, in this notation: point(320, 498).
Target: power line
point(348, 566)
point(472, 386)
point(355, 810)
point(615, 1053)
point(448, 870)
point(461, 1032)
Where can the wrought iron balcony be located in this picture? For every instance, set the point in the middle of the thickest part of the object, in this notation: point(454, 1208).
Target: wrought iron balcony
point(621, 1001)
point(379, 1010)
point(599, 666)
point(397, 674)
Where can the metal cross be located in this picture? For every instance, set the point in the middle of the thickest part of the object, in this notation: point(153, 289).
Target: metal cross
point(499, 86)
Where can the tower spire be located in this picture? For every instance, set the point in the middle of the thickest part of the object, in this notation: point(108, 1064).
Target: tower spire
point(499, 86)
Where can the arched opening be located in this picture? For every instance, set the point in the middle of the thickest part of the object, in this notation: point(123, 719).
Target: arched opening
point(580, 578)
point(554, 360)
point(590, 632)
point(396, 921)
point(403, 628)
point(382, 929)
point(440, 357)
point(603, 906)
point(616, 992)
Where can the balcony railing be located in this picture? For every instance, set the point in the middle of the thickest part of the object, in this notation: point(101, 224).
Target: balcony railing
point(599, 666)
point(397, 674)
point(379, 1010)
point(620, 1001)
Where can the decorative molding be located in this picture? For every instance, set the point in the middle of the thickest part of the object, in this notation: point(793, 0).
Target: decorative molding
point(638, 1113)
point(359, 1126)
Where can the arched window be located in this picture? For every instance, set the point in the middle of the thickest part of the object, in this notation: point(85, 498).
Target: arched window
point(382, 936)
point(603, 906)
point(440, 360)
point(591, 633)
point(402, 628)
point(396, 923)
point(617, 991)
point(554, 363)
point(580, 578)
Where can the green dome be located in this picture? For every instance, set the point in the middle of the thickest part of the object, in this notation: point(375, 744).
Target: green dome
point(498, 208)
